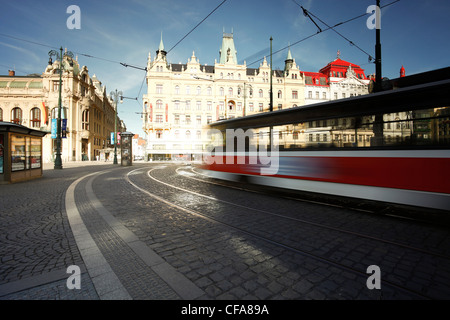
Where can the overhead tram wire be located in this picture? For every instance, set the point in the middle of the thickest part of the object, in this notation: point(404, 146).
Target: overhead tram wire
point(53, 47)
point(109, 60)
point(196, 26)
point(173, 47)
point(29, 41)
point(319, 32)
point(309, 14)
point(118, 62)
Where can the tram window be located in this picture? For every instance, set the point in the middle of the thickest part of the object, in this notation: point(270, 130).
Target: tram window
point(409, 129)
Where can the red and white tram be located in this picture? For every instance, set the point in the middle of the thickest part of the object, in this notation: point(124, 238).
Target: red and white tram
point(392, 146)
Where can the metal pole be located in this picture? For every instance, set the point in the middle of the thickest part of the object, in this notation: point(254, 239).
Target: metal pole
point(115, 131)
point(116, 96)
point(271, 91)
point(378, 75)
point(58, 160)
point(378, 124)
point(115, 135)
point(271, 96)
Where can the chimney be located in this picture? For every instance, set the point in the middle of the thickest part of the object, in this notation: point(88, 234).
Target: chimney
point(402, 72)
point(12, 73)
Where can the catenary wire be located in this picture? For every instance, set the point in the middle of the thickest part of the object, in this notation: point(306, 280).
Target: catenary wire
point(315, 34)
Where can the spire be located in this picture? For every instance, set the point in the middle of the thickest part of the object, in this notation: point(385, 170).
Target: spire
point(161, 44)
point(289, 62)
point(161, 50)
point(289, 55)
point(228, 51)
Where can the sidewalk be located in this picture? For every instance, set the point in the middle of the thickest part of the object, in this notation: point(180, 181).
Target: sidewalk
point(50, 224)
point(74, 164)
point(36, 241)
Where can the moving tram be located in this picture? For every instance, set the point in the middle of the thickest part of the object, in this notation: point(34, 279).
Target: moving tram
point(390, 146)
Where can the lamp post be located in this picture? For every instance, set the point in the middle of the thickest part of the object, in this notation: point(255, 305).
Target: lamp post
point(115, 95)
point(271, 86)
point(59, 55)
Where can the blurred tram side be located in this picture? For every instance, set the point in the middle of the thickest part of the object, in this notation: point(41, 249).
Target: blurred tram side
point(391, 146)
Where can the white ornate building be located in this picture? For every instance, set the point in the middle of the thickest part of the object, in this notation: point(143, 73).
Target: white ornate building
point(339, 79)
point(182, 99)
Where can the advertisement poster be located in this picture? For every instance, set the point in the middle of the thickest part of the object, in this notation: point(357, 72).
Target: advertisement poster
point(17, 153)
point(35, 155)
point(64, 128)
point(54, 129)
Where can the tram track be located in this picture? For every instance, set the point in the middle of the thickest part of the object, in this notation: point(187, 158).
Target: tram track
point(262, 237)
point(437, 254)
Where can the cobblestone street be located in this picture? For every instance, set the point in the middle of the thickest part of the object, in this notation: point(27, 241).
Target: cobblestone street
point(164, 232)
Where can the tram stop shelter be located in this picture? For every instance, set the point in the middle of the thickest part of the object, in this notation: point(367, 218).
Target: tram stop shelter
point(20, 153)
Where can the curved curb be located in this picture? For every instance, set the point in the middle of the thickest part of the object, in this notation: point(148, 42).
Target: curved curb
point(105, 281)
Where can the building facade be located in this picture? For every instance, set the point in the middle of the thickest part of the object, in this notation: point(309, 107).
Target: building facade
point(339, 79)
point(88, 113)
point(182, 99)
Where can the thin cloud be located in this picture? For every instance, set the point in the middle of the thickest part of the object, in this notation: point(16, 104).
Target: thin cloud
point(22, 50)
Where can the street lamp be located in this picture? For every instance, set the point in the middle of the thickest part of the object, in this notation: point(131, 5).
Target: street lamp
point(115, 95)
point(59, 55)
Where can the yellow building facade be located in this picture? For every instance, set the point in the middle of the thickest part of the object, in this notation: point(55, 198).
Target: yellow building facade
point(88, 112)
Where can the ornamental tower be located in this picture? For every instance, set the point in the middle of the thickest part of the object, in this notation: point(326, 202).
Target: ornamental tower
point(227, 51)
point(288, 63)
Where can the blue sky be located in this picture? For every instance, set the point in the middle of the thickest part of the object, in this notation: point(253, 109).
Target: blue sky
point(413, 34)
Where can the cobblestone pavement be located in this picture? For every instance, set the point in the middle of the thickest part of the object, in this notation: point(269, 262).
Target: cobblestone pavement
point(36, 241)
point(135, 236)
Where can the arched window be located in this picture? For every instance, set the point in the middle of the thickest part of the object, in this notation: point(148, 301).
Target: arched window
point(16, 115)
point(177, 89)
point(221, 91)
point(209, 91)
point(261, 93)
point(199, 91)
point(35, 118)
point(85, 120)
point(188, 134)
point(230, 92)
point(159, 104)
point(1, 114)
point(280, 95)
